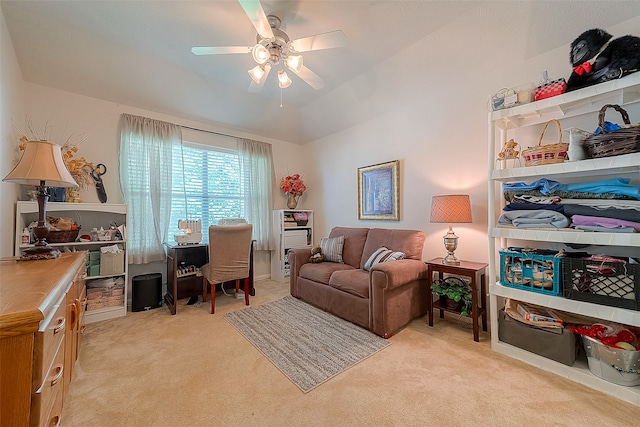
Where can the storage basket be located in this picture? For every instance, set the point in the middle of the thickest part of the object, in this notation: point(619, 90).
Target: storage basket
point(536, 272)
point(614, 143)
point(615, 284)
point(612, 364)
point(66, 236)
point(546, 154)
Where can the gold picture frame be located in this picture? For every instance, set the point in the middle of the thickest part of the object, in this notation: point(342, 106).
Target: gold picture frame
point(378, 191)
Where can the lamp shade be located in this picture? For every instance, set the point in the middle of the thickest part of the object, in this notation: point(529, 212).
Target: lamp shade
point(451, 208)
point(41, 161)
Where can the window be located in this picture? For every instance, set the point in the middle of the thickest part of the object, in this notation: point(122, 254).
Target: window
point(211, 187)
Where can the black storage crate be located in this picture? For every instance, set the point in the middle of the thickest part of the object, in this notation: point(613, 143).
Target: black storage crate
point(615, 284)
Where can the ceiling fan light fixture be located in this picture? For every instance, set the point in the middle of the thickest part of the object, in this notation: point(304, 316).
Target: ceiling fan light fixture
point(257, 73)
point(283, 79)
point(294, 62)
point(260, 54)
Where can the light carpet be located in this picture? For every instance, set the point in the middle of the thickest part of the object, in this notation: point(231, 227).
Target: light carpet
point(306, 344)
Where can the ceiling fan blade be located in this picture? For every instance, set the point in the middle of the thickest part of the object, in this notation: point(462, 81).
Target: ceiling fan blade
point(320, 41)
point(311, 78)
point(258, 18)
point(257, 87)
point(204, 50)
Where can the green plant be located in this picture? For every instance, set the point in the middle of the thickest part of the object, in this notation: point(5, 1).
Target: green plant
point(455, 289)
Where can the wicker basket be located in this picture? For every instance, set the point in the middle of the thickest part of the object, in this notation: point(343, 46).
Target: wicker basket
point(614, 143)
point(65, 236)
point(547, 154)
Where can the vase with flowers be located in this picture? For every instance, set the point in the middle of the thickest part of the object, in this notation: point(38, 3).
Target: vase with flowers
point(293, 186)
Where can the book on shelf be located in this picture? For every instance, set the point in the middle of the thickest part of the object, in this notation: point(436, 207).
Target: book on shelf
point(538, 314)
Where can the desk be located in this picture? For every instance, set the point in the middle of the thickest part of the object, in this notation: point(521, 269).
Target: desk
point(476, 272)
point(185, 285)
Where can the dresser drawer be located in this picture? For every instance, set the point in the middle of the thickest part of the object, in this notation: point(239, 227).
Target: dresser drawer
point(47, 341)
point(44, 399)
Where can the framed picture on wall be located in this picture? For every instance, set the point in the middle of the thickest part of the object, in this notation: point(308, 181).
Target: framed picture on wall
point(378, 191)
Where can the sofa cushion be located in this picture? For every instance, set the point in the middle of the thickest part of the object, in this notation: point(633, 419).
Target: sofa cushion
point(354, 240)
point(355, 282)
point(321, 272)
point(383, 254)
point(331, 248)
point(411, 242)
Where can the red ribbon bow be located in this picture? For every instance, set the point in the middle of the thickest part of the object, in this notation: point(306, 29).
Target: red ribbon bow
point(585, 67)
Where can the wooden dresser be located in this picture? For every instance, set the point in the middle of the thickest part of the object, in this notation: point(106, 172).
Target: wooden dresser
point(41, 320)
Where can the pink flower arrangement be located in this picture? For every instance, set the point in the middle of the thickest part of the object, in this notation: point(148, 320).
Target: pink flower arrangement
point(293, 184)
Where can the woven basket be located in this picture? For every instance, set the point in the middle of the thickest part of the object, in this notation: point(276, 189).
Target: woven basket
point(614, 143)
point(547, 154)
point(66, 236)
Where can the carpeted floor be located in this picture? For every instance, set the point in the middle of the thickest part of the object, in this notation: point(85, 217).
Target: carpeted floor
point(306, 344)
point(195, 369)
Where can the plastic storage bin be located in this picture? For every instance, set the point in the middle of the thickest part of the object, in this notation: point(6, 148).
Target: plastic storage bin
point(536, 272)
point(614, 284)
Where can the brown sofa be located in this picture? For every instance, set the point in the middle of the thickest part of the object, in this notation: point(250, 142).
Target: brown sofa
point(382, 300)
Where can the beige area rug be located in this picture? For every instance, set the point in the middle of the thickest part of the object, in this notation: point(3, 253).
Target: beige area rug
point(306, 344)
point(194, 369)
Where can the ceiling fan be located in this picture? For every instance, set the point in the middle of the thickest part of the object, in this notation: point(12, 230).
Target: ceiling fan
point(274, 49)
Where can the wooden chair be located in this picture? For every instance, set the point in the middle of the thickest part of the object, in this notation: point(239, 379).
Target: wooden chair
point(229, 257)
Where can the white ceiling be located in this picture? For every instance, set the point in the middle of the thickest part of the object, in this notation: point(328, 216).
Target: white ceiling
point(137, 53)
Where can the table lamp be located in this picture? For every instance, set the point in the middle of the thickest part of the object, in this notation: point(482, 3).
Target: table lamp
point(449, 209)
point(41, 165)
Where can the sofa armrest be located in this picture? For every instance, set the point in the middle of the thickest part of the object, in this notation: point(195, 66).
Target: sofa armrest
point(297, 258)
point(397, 294)
point(387, 276)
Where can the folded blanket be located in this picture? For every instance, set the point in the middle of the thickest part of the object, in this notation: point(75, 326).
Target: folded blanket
point(531, 207)
point(624, 214)
point(534, 219)
point(615, 186)
point(604, 222)
point(604, 229)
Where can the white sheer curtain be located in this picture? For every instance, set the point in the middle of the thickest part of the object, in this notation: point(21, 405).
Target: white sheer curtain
point(256, 167)
point(146, 157)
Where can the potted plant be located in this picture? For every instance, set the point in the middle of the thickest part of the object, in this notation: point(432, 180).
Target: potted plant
point(457, 291)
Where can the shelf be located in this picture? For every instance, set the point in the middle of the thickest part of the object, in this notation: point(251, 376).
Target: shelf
point(96, 243)
point(32, 207)
point(579, 372)
point(89, 215)
point(621, 91)
point(616, 165)
point(105, 313)
point(578, 105)
point(603, 312)
point(104, 277)
point(570, 236)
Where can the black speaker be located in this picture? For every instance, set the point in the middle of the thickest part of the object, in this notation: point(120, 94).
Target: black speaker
point(146, 292)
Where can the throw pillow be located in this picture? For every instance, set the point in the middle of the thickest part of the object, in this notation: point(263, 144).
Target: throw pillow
point(382, 255)
point(332, 248)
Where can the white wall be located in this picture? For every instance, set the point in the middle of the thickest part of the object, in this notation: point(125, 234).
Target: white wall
point(11, 107)
point(428, 109)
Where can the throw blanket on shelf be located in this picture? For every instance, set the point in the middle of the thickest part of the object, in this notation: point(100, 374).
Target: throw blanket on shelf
point(611, 212)
point(534, 219)
point(604, 222)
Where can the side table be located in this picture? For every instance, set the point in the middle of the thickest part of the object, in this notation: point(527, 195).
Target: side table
point(477, 273)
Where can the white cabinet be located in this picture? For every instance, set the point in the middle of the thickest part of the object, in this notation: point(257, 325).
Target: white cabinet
point(291, 230)
point(524, 123)
point(88, 216)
